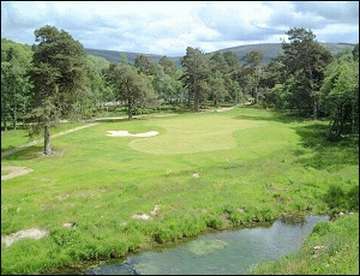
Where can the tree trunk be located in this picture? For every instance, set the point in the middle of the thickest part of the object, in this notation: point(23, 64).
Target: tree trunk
point(24, 112)
point(5, 125)
point(215, 102)
point(196, 102)
point(315, 108)
point(256, 94)
point(129, 109)
point(353, 116)
point(189, 99)
point(14, 118)
point(47, 144)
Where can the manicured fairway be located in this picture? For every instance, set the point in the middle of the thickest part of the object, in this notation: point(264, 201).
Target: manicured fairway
point(252, 166)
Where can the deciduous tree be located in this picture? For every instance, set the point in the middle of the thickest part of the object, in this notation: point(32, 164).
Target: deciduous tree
point(340, 95)
point(131, 86)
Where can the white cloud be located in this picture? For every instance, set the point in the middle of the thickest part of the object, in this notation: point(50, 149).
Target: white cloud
point(169, 27)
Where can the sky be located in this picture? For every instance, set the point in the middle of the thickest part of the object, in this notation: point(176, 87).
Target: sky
point(167, 28)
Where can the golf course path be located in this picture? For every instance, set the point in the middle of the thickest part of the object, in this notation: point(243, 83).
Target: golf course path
point(32, 143)
point(14, 171)
point(135, 117)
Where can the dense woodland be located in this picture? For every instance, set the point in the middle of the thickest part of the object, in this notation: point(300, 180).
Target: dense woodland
point(56, 79)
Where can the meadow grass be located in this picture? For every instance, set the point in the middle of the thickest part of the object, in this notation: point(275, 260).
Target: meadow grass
point(253, 166)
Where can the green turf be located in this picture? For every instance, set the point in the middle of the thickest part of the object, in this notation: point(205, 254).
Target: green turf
point(14, 138)
point(332, 248)
point(187, 134)
point(252, 159)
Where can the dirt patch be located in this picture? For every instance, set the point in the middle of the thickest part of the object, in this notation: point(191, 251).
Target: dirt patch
point(141, 216)
point(125, 133)
point(155, 211)
point(144, 216)
point(32, 233)
point(57, 153)
point(12, 171)
point(220, 109)
point(224, 109)
point(69, 224)
point(62, 197)
point(196, 175)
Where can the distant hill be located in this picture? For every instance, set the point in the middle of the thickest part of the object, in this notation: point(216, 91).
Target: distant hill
point(114, 56)
point(269, 50)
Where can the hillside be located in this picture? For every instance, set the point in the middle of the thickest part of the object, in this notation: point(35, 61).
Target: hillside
point(114, 56)
point(269, 50)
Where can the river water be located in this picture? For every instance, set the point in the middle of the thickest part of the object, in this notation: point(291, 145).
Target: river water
point(226, 252)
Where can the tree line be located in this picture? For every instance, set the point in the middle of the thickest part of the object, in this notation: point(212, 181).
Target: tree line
point(56, 79)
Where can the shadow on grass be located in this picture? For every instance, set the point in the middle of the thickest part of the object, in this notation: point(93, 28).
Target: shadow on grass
point(276, 117)
point(314, 136)
point(326, 153)
point(25, 154)
point(7, 149)
point(114, 120)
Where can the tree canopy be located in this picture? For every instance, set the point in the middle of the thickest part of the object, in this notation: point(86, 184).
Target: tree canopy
point(58, 75)
point(55, 79)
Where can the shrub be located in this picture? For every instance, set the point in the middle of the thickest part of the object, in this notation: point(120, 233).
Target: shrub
point(335, 197)
point(214, 222)
point(353, 198)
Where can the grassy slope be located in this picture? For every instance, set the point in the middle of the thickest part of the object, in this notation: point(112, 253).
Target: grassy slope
point(339, 255)
point(14, 138)
point(268, 165)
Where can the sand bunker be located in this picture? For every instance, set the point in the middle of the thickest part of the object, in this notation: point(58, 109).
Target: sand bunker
point(32, 233)
point(12, 171)
point(125, 133)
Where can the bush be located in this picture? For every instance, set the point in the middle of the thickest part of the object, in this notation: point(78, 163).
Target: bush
point(214, 222)
point(353, 198)
point(336, 198)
